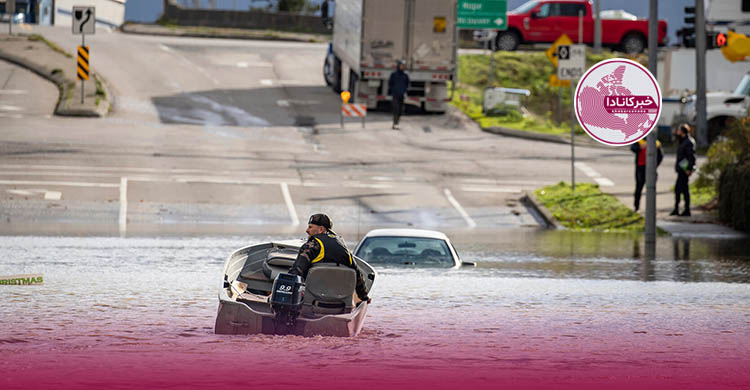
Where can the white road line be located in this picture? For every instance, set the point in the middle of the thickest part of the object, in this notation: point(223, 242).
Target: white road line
point(590, 172)
point(52, 195)
point(13, 92)
point(289, 204)
point(266, 82)
point(6, 107)
point(191, 64)
point(58, 183)
point(506, 190)
point(242, 64)
point(123, 219)
point(470, 222)
point(20, 192)
point(282, 103)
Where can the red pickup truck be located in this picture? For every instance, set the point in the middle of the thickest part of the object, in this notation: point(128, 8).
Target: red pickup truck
point(542, 21)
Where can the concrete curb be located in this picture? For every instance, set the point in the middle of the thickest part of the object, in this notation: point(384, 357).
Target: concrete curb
point(530, 135)
point(166, 32)
point(542, 212)
point(64, 88)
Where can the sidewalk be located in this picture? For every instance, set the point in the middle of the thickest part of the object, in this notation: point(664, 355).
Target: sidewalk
point(220, 32)
point(33, 52)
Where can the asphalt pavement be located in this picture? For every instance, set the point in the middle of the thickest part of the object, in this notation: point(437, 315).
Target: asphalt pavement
point(216, 135)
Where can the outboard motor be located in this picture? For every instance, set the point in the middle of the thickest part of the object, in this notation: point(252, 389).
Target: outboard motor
point(286, 301)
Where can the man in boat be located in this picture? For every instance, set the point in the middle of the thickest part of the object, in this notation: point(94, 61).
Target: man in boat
point(325, 246)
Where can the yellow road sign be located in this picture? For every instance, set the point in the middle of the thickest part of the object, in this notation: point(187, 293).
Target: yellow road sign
point(555, 82)
point(552, 51)
point(83, 62)
point(737, 47)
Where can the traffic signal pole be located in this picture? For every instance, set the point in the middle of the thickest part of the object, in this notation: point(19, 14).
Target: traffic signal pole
point(650, 230)
point(597, 28)
point(701, 122)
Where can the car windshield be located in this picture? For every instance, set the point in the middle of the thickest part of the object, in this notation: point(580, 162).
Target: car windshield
point(406, 250)
point(744, 87)
point(525, 7)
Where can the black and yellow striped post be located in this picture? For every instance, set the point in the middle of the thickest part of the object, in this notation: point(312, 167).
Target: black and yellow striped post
point(83, 66)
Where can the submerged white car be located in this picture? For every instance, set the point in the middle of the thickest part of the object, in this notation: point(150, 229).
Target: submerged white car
point(408, 247)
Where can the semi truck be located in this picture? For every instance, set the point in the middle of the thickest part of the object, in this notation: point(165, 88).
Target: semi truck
point(370, 36)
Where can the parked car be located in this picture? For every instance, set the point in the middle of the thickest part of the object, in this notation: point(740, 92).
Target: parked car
point(722, 108)
point(408, 247)
point(543, 21)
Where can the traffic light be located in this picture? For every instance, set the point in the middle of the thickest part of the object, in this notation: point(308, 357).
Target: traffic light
point(688, 32)
point(737, 47)
point(715, 40)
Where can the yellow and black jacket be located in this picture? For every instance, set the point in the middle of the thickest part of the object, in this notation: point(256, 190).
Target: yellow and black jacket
point(327, 248)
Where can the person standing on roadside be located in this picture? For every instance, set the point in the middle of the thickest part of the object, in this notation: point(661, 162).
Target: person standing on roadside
point(639, 148)
point(398, 84)
point(685, 166)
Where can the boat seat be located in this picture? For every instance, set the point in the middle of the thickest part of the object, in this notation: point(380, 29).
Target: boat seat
point(276, 264)
point(329, 289)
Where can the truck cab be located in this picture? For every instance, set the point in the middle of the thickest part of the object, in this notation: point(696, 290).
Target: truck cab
point(543, 21)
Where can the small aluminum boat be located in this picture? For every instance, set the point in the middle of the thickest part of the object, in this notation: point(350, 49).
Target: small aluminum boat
point(327, 304)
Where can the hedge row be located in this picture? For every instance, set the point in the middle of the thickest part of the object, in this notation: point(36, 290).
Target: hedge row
point(734, 196)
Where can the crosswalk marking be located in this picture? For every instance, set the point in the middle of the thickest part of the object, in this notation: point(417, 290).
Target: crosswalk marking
point(590, 172)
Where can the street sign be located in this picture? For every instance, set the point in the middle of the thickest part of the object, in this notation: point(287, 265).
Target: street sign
point(571, 62)
point(83, 62)
point(482, 14)
point(552, 51)
point(555, 82)
point(84, 20)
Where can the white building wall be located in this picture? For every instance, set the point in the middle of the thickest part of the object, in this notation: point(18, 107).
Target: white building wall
point(109, 13)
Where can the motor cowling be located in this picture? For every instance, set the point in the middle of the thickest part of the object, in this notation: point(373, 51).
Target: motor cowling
point(286, 298)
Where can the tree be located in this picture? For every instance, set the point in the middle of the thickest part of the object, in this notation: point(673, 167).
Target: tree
point(291, 5)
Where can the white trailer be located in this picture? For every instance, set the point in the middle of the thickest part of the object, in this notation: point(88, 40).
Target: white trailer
point(369, 36)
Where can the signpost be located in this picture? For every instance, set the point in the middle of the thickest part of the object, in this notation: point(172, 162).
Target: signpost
point(482, 14)
point(571, 65)
point(84, 22)
point(10, 10)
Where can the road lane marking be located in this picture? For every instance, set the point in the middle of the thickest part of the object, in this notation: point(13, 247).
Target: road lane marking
point(57, 183)
point(123, 219)
point(506, 190)
point(266, 82)
point(242, 64)
point(590, 172)
point(13, 92)
point(282, 103)
point(6, 107)
point(289, 204)
point(470, 222)
point(52, 195)
point(190, 64)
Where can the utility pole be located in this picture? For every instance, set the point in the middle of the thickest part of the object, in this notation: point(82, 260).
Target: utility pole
point(597, 28)
point(653, 36)
point(701, 130)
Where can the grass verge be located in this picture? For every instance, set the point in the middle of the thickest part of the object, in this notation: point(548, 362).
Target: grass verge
point(524, 70)
point(52, 45)
point(588, 208)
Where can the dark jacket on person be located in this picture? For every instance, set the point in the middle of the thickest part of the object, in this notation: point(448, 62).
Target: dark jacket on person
point(639, 148)
point(685, 151)
point(398, 83)
point(327, 248)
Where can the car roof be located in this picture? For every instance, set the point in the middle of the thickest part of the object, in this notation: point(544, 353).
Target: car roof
point(406, 233)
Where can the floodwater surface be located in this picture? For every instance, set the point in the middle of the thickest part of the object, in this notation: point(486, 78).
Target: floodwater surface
point(541, 309)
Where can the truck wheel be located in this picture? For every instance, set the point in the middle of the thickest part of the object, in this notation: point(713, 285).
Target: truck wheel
point(633, 43)
point(336, 81)
point(507, 41)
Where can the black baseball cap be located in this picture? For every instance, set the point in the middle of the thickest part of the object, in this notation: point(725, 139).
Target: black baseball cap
point(321, 220)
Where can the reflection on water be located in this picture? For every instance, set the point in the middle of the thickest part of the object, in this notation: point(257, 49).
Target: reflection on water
point(534, 297)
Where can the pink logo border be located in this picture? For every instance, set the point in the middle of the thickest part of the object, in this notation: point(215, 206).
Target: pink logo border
point(628, 62)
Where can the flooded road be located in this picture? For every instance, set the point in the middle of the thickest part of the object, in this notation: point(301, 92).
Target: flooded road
point(542, 308)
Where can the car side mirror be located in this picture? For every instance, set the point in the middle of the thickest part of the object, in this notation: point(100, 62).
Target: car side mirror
point(468, 264)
